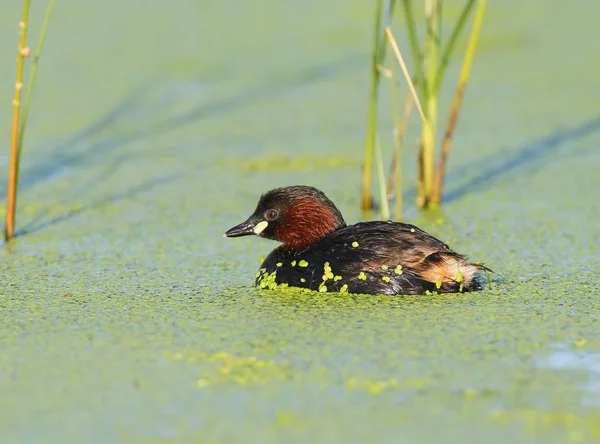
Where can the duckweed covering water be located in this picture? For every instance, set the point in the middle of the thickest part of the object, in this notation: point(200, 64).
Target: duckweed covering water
point(127, 317)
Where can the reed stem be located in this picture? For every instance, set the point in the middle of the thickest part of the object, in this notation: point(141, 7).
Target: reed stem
point(395, 178)
point(449, 48)
point(366, 203)
point(31, 82)
point(385, 206)
point(407, 77)
point(395, 122)
point(416, 52)
point(378, 56)
point(462, 83)
point(394, 183)
point(11, 194)
point(431, 53)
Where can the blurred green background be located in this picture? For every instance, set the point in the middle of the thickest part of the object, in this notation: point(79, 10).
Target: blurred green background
point(155, 126)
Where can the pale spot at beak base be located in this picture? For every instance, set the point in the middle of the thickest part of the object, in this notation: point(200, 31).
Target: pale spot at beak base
point(260, 227)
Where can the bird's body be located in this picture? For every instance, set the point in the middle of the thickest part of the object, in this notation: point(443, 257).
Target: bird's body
point(320, 252)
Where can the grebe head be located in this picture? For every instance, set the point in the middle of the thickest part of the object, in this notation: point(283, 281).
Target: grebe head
point(297, 216)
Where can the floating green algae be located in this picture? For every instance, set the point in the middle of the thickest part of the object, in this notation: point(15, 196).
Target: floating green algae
point(128, 187)
point(222, 368)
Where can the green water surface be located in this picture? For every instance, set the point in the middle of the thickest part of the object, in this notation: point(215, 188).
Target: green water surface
point(155, 126)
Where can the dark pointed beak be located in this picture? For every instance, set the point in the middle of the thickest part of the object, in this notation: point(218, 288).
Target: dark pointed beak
point(246, 228)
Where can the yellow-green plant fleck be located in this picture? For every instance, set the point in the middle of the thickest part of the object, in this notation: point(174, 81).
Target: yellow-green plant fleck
point(398, 269)
point(286, 419)
point(303, 263)
point(222, 368)
point(376, 387)
point(268, 280)
point(293, 263)
point(384, 267)
point(355, 244)
point(371, 387)
point(362, 276)
point(327, 270)
point(385, 278)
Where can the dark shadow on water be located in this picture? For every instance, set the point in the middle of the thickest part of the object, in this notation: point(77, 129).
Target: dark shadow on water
point(40, 224)
point(82, 149)
point(99, 141)
point(102, 139)
point(535, 154)
point(270, 88)
point(67, 154)
point(500, 165)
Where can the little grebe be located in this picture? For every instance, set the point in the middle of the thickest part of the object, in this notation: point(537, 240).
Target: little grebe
point(320, 252)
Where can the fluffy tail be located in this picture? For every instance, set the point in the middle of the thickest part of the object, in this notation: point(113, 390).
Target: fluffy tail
point(451, 272)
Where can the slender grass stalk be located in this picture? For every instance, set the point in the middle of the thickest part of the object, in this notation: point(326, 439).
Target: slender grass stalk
point(407, 77)
point(398, 180)
point(385, 206)
point(396, 157)
point(462, 83)
point(421, 188)
point(378, 56)
point(430, 65)
point(395, 123)
point(391, 6)
point(11, 194)
point(372, 113)
point(414, 45)
point(421, 176)
point(417, 55)
point(449, 48)
point(431, 54)
point(31, 82)
point(395, 180)
point(400, 131)
point(397, 161)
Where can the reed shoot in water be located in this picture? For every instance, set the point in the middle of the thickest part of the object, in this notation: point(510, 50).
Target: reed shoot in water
point(18, 132)
point(430, 60)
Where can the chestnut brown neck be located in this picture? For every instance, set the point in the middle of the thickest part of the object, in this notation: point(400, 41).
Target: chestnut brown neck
point(306, 221)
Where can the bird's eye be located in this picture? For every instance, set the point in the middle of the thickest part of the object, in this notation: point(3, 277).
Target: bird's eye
point(271, 214)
